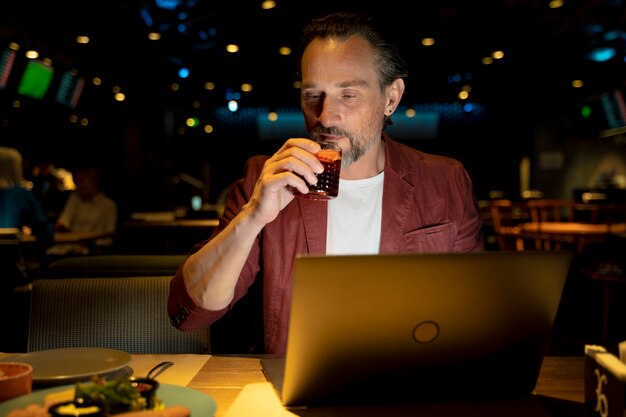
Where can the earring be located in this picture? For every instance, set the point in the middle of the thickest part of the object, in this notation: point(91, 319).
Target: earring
point(388, 111)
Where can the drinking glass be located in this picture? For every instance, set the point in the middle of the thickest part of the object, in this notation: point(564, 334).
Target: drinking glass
point(327, 186)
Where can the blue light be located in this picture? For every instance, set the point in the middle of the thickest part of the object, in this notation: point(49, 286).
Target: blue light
point(468, 107)
point(145, 15)
point(454, 78)
point(601, 54)
point(167, 4)
point(183, 72)
point(233, 105)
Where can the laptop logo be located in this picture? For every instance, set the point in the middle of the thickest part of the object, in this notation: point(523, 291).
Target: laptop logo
point(426, 331)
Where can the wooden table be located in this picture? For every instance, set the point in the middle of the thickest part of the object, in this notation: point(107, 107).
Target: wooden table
point(170, 224)
point(580, 233)
point(73, 237)
point(574, 228)
point(163, 236)
point(80, 237)
point(223, 377)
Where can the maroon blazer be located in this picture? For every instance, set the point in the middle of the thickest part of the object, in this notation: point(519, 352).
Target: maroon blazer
point(429, 205)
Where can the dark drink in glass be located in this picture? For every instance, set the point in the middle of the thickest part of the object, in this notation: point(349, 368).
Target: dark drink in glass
point(327, 186)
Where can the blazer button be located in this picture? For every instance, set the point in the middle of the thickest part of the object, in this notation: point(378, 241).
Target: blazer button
point(179, 317)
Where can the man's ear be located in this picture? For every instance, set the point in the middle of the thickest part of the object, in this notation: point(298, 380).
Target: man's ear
point(394, 94)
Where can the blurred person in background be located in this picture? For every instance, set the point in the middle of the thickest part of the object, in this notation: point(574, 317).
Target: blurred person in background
point(26, 233)
point(88, 209)
point(50, 185)
point(19, 207)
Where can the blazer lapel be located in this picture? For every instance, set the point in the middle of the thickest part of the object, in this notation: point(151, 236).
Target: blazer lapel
point(314, 217)
point(397, 196)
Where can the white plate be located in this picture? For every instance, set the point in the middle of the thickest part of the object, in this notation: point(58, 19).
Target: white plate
point(200, 404)
point(61, 366)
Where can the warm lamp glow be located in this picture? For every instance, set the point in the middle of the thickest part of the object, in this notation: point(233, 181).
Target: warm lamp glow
point(555, 4)
point(268, 4)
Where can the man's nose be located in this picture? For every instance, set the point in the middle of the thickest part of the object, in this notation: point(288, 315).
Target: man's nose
point(329, 115)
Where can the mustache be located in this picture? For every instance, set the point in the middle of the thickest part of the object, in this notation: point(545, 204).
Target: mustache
point(334, 131)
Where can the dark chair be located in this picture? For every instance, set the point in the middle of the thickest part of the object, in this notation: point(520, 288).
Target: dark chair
point(606, 265)
point(239, 331)
point(125, 313)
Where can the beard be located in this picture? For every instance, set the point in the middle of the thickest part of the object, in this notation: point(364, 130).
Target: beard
point(359, 143)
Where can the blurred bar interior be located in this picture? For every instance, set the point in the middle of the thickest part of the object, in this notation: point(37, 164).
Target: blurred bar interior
point(172, 96)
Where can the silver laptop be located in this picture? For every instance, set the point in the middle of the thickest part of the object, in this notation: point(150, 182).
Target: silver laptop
point(412, 327)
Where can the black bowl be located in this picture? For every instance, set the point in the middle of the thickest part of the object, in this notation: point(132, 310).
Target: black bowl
point(147, 388)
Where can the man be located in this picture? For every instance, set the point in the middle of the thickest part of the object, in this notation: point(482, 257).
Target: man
point(391, 198)
point(87, 209)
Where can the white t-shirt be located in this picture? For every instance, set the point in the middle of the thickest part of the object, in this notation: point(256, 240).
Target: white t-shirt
point(354, 217)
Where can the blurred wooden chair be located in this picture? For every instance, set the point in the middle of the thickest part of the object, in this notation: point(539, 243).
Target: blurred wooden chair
point(125, 313)
point(506, 216)
point(545, 210)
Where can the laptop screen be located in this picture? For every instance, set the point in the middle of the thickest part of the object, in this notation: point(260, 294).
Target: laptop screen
point(406, 327)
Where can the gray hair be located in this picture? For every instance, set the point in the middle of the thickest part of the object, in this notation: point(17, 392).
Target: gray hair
point(388, 61)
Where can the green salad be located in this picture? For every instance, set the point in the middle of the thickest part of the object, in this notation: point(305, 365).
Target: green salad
point(116, 396)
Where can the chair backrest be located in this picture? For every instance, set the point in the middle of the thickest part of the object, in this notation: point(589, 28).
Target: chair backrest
point(552, 209)
point(544, 210)
point(115, 266)
point(506, 216)
point(125, 313)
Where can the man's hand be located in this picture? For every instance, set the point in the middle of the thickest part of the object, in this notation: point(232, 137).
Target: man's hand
point(291, 167)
